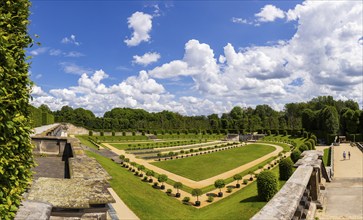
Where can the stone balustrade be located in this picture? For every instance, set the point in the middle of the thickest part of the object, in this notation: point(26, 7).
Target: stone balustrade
point(301, 195)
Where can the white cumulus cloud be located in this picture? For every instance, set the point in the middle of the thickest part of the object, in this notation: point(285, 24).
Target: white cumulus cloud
point(146, 59)
point(269, 13)
point(141, 24)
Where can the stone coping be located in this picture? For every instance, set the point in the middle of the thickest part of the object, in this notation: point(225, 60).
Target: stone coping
point(70, 193)
point(283, 205)
point(43, 137)
point(83, 167)
point(33, 210)
point(310, 158)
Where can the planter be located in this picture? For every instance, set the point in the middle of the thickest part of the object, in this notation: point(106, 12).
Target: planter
point(162, 187)
point(220, 194)
point(197, 203)
point(251, 178)
point(150, 180)
point(238, 185)
point(141, 175)
point(177, 195)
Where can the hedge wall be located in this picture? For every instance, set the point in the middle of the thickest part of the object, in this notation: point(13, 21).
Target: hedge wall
point(15, 148)
point(39, 118)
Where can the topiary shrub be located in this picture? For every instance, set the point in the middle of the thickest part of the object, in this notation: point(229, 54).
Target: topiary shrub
point(303, 147)
point(309, 145)
point(295, 155)
point(267, 185)
point(90, 133)
point(286, 169)
point(210, 198)
point(101, 133)
point(186, 200)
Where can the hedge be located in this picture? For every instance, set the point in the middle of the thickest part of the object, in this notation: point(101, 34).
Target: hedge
point(267, 185)
point(16, 157)
point(295, 155)
point(286, 168)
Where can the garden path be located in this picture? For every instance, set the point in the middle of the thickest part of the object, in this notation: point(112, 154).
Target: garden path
point(202, 183)
point(203, 198)
point(123, 212)
point(344, 195)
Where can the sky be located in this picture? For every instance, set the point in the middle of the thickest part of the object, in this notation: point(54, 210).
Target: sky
point(194, 57)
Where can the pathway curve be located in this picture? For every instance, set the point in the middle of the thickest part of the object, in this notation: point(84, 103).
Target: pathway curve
point(344, 195)
point(203, 183)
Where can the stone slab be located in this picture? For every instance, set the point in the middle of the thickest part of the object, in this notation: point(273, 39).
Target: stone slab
point(70, 193)
point(30, 210)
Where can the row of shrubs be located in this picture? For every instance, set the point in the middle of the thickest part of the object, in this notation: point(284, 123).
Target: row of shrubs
point(164, 132)
point(194, 150)
point(164, 144)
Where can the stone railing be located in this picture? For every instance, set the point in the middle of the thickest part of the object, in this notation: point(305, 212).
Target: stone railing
point(82, 194)
point(300, 196)
point(360, 146)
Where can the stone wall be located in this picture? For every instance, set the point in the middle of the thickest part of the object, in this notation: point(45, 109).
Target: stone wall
point(300, 196)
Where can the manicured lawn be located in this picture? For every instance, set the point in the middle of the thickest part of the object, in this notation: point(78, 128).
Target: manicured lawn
point(298, 141)
point(204, 166)
point(84, 140)
point(149, 203)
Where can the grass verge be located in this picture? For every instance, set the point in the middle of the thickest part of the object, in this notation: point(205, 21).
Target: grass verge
point(149, 203)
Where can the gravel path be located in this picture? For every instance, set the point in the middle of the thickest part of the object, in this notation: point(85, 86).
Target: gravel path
point(194, 184)
point(344, 195)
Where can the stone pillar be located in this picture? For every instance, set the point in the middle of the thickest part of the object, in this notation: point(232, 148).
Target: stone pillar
point(314, 185)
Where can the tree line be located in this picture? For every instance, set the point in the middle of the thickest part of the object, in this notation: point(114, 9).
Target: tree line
point(322, 115)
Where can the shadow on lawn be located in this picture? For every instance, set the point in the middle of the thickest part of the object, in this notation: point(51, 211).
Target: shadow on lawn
point(250, 199)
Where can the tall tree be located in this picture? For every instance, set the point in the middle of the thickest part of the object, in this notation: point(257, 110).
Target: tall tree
point(330, 120)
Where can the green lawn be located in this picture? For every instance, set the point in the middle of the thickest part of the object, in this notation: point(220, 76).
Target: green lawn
point(204, 166)
point(326, 157)
point(149, 203)
point(275, 138)
point(84, 140)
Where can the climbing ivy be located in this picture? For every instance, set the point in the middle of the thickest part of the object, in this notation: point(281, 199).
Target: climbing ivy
point(15, 146)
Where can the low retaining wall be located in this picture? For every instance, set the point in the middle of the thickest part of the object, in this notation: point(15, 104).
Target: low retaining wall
point(300, 196)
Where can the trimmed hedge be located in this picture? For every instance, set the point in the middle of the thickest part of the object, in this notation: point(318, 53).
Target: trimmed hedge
point(286, 168)
point(267, 185)
point(16, 157)
point(295, 155)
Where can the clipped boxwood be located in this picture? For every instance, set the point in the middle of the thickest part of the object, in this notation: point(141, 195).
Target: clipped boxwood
point(295, 155)
point(286, 168)
point(303, 148)
point(267, 185)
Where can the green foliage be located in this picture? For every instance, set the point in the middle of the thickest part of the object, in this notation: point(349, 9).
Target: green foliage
point(197, 193)
point(308, 145)
point(178, 185)
point(286, 168)
point(90, 133)
point(40, 116)
point(237, 177)
point(219, 184)
point(210, 198)
point(15, 148)
point(186, 199)
point(267, 185)
point(295, 155)
point(303, 147)
point(162, 178)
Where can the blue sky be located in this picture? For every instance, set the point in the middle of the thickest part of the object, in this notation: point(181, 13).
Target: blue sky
point(195, 58)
